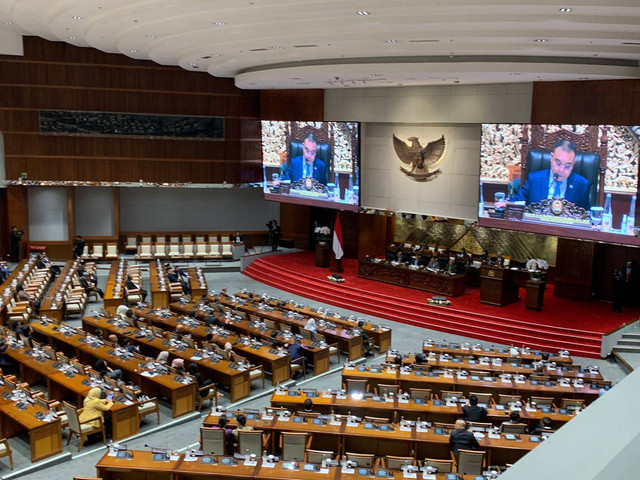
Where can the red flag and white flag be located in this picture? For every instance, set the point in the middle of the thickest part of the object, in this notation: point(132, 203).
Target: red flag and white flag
point(337, 239)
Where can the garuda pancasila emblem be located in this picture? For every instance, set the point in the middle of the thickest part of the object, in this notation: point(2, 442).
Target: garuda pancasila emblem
point(421, 159)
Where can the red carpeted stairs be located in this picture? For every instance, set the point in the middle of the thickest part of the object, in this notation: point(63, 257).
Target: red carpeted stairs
point(513, 324)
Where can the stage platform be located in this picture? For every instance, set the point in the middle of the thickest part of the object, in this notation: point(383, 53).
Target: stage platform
point(576, 326)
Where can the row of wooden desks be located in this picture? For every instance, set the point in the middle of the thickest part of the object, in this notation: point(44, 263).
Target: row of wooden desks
point(53, 305)
point(158, 285)
point(380, 334)
point(438, 383)
point(314, 354)
point(180, 467)
point(224, 372)
point(114, 290)
point(275, 362)
point(340, 437)
point(396, 409)
point(490, 352)
point(8, 287)
point(347, 341)
point(45, 433)
point(463, 363)
point(182, 395)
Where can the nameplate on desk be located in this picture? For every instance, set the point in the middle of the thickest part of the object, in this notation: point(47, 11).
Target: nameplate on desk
point(410, 475)
point(349, 368)
point(335, 423)
point(280, 392)
point(349, 471)
point(450, 376)
point(519, 381)
point(422, 430)
point(341, 397)
point(352, 424)
point(266, 464)
point(326, 395)
point(529, 409)
point(400, 400)
point(493, 435)
point(389, 400)
point(267, 418)
point(250, 463)
point(405, 429)
point(402, 372)
point(283, 419)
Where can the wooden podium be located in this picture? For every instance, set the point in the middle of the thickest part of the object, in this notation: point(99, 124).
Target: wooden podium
point(323, 256)
point(497, 286)
point(535, 295)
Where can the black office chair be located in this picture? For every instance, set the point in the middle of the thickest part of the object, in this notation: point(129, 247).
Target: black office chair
point(323, 152)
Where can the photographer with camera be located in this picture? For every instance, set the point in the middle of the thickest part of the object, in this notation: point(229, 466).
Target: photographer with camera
point(16, 236)
point(274, 234)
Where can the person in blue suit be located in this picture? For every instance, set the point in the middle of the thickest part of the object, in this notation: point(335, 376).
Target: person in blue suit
point(307, 165)
point(558, 181)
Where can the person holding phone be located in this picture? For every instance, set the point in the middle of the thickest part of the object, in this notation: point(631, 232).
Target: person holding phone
point(96, 403)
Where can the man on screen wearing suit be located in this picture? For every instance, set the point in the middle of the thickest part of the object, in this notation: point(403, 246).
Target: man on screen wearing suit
point(307, 165)
point(559, 181)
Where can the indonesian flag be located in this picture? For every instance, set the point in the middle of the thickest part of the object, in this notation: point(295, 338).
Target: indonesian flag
point(337, 238)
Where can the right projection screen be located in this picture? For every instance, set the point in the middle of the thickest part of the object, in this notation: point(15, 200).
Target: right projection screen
point(571, 180)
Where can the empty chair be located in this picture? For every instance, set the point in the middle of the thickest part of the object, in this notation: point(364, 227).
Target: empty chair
point(306, 334)
point(213, 238)
point(201, 250)
point(224, 238)
point(299, 366)
point(572, 403)
point(361, 459)
point(5, 451)
point(82, 430)
point(479, 426)
point(213, 441)
point(379, 420)
point(470, 462)
point(146, 407)
point(160, 249)
point(294, 445)
point(187, 250)
point(446, 426)
point(227, 250)
point(540, 378)
point(146, 239)
point(542, 402)
point(98, 251)
point(356, 385)
point(251, 442)
point(145, 251)
point(334, 349)
point(317, 456)
point(200, 239)
point(447, 396)
point(174, 239)
point(285, 328)
point(269, 324)
point(420, 393)
point(112, 251)
point(132, 244)
point(508, 399)
point(443, 466)
point(256, 372)
point(516, 428)
point(214, 250)
point(174, 250)
point(387, 389)
point(396, 463)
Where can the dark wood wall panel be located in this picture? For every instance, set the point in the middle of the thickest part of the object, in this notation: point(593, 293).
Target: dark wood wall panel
point(575, 262)
point(55, 75)
point(4, 225)
point(294, 223)
point(587, 102)
point(292, 105)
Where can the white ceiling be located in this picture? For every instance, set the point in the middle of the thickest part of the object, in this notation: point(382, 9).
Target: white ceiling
point(328, 44)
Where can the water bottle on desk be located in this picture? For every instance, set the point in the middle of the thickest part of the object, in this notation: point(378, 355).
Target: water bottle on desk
point(607, 218)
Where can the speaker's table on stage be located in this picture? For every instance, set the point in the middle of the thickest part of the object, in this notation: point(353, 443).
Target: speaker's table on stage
point(497, 286)
point(419, 278)
point(535, 294)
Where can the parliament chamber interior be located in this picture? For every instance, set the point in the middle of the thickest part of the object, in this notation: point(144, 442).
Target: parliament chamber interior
point(236, 247)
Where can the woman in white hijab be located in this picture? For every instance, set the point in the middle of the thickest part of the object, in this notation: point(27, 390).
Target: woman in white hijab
point(163, 357)
point(311, 325)
point(121, 311)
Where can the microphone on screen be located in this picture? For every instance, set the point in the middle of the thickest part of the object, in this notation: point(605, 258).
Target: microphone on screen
point(556, 176)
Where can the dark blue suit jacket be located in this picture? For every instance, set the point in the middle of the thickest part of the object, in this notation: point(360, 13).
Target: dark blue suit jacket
point(294, 172)
point(537, 188)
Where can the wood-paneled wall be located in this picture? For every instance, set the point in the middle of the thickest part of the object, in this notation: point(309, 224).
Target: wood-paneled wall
point(594, 102)
point(55, 75)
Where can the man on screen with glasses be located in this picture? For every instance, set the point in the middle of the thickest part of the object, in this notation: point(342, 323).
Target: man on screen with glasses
point(307, 165)
point(558, 181)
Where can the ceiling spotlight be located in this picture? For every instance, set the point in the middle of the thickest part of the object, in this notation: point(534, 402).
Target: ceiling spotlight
point(219, 24)
point(73, 38)
point(514, 74)
point(8, 23)
point(77, 17)
point(391, 41)
point(276, 48)
point(149, 36)
point(363, 12)
point(133, 51)
point(541, 40)
point(565, 10)
point(193, 64)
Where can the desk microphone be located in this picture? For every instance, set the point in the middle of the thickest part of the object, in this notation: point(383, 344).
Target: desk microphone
point(556, 176)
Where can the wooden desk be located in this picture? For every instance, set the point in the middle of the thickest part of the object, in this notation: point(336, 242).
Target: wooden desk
point(420, 279)
point(318, 357)
point(45, 438)
point(439, 383)
point(490, 352)
point(341, 438)
point(159, 285)
point(395, 410)
point(197, 282)
point(220, 371)
point(142, 466)
point(114, 288)
point(347, 341)
point(380, 334)
point(7, 291)
point(457, 363)
point(497, 286)
point(278, 366)
point(182, 395)
point(52, 307)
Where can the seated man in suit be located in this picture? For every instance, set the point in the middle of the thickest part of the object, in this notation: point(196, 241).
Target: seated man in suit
point(132, 286)
point(461, 438)
point(559, 181)
point(307, 165)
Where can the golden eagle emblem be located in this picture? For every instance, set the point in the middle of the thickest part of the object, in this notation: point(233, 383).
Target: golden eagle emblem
point(421, 159)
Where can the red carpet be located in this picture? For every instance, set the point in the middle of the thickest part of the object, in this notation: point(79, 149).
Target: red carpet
point(576, 326)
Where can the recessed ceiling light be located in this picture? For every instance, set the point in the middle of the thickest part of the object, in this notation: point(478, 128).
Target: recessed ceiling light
point(541, 40)
point(565, 10)
point(276, 47)
point(77, 17)
point(514, 74)
point(149, 36)
point(193, 64)
point(72, 38)
point(363, 12)
point(8, 23)
point(219, 24)
point(133, 51)
point(391, 41)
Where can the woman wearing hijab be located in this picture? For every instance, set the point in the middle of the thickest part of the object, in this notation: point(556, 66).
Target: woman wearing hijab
point(121, 311)
point(94, 407)
point(178, 365)
point(163, 357)
point(311, 325)
point(228, 351)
